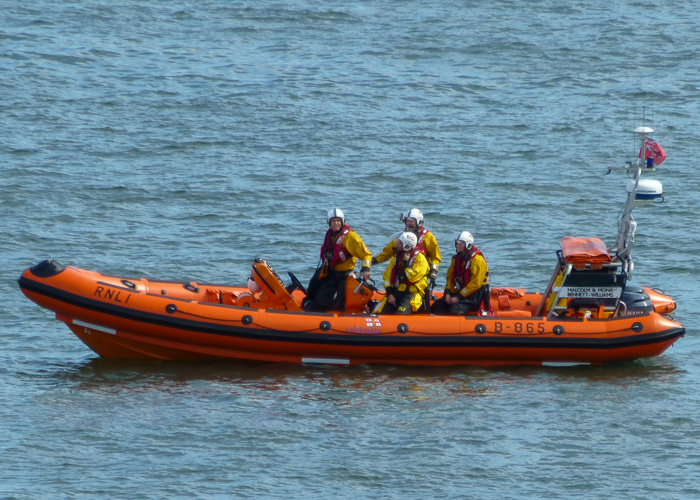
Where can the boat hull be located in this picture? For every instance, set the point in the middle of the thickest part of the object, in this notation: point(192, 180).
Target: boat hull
point(118, 317)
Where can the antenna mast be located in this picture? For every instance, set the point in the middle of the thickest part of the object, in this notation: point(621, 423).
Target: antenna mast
point(638, 193)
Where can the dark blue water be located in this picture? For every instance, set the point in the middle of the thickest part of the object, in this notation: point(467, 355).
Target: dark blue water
point(179, 140)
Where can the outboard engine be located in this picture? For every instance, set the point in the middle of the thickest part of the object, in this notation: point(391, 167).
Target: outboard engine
point(635, 302)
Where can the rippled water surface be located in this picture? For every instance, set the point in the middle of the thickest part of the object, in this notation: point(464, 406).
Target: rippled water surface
point(179, 140)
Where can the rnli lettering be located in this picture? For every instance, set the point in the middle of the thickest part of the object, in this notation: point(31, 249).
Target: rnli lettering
point(527, 327)
point(111, 294)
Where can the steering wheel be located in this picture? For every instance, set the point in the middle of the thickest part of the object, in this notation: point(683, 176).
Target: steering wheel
point(296, 283)
point(369, 283)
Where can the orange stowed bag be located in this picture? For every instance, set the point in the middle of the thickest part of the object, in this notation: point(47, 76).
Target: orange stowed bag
point(222, 297)
point(585, 253)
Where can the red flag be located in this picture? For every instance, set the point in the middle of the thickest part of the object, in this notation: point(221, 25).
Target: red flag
point(652, 150)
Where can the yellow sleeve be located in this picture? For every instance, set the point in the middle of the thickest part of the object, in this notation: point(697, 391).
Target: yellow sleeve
point(388, 252)
point(433, 250)
point(479, 277)
point(417, 274)
point(354, 244)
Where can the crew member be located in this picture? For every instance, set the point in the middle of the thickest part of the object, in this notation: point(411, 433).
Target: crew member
point(341, 247)
point(467, 287)
point(427, 243)
point(406, 278)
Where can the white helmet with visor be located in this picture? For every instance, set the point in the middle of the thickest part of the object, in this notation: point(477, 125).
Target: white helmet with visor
point(414, 213)
point(335, 212)
point(408, 240)
point(466, 238)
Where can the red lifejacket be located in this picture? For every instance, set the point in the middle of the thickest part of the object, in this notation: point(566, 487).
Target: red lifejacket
point(398, 273)
point(462, 272)
point(332, 251)
point(421, 234)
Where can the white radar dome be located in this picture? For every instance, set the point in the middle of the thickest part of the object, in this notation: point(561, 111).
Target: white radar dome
point(648, 191)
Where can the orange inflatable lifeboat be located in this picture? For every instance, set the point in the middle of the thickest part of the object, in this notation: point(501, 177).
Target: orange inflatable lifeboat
point(591, 318)
point(588, 313)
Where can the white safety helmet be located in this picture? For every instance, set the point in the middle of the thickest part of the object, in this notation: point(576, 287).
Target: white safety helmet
point(408, 240)
point(253, 286)
point(414, 213)
point(466, 238)
point(335, 212)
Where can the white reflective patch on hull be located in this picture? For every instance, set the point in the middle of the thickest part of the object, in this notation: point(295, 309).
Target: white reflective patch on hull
point(94, 327)
point(565, 363)
point(326, 361)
